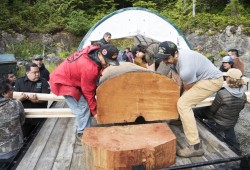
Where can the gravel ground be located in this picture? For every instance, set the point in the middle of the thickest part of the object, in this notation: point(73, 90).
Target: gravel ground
point(242, 127)
point(242, 130)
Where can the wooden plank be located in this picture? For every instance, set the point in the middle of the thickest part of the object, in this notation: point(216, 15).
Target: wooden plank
point(77, 160)
point(41, 96)
point(65, 152)
point(214, 148)
point(209, 101)
point(48, 113)
point(126, 97)
point(35, 150)
point(51, 148)
point(66, 112)
point(122, 147)
point(220, 147)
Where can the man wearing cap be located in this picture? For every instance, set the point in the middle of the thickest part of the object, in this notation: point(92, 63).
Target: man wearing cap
point(227, 63)
point(223, 114)
point(75, 78)
point(38, 60)
point(200, 80)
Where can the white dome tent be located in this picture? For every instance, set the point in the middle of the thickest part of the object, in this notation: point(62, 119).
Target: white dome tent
point(145, 26)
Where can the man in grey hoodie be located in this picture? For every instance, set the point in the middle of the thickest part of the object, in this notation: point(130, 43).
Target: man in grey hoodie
point(229, 101)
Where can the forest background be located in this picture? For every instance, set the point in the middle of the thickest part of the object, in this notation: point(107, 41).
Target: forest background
point(78, 16)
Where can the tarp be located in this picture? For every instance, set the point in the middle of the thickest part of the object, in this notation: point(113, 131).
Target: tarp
point(145, 26)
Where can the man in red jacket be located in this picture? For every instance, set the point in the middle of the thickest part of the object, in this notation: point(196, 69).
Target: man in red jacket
point(76, 79)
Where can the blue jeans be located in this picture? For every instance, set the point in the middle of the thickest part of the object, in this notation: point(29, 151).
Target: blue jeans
point(81, 111)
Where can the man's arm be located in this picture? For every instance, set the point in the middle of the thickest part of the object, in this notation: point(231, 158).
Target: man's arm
point(88, 87)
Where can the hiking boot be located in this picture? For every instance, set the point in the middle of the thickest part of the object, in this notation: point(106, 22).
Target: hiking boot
point(191, 151)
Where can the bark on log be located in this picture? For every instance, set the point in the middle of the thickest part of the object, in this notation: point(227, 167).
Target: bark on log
point(122, 147)
point(137, 94)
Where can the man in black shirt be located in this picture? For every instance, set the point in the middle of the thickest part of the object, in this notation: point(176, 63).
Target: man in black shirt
point(32, 83)
point(38, 60)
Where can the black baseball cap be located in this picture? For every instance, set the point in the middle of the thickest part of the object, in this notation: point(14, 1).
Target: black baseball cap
point(110, 54)
point(166, 49)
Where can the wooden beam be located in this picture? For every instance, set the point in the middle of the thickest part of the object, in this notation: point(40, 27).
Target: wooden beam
point(41, 96)
point(48, 113)
point(66, 112)
point(209, 101)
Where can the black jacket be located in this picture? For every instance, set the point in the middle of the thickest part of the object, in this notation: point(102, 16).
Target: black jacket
point(226, 108)
point(44, 73)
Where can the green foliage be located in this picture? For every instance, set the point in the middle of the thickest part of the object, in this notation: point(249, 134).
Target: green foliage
point(223, 53)
point(123, 43)
point(145, 4)
point(25, 49)
point(78, 16)
point(211, 57)
point(233, 9)
point(51, 66)
point(77, 22)
point(21, 72)
point(64, 54)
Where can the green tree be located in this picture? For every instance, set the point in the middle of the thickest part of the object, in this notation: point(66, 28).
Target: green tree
point(234, 9)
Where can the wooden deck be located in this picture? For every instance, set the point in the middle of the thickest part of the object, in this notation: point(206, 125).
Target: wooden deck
point(56, 147)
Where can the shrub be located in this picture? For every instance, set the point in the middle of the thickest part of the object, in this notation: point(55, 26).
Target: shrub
point(223, 53)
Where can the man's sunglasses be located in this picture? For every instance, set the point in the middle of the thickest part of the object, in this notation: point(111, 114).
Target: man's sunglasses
point(40, 59)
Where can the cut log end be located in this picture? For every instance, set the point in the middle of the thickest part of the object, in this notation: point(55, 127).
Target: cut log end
point(153, 145)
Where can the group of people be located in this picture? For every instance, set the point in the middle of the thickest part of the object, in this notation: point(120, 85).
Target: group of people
point(198, 76)
point(200, 79)
point(77, 76)
point(13, 126)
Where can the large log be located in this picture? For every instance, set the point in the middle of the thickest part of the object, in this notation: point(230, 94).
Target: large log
point(137, 94)
point(122, 147)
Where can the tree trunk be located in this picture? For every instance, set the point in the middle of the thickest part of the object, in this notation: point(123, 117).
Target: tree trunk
point(194, 6)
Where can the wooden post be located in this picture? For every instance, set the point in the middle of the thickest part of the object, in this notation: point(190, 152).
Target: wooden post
point(122, 147)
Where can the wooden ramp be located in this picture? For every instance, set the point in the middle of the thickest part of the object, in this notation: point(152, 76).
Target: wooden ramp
point(56, 148)
point(214, 149)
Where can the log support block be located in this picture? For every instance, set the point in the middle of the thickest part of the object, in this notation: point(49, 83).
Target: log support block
point(122, 147)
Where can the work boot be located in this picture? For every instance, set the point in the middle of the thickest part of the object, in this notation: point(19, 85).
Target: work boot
point(191, 151)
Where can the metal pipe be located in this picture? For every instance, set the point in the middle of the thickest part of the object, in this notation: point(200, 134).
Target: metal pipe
point(212, 162)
